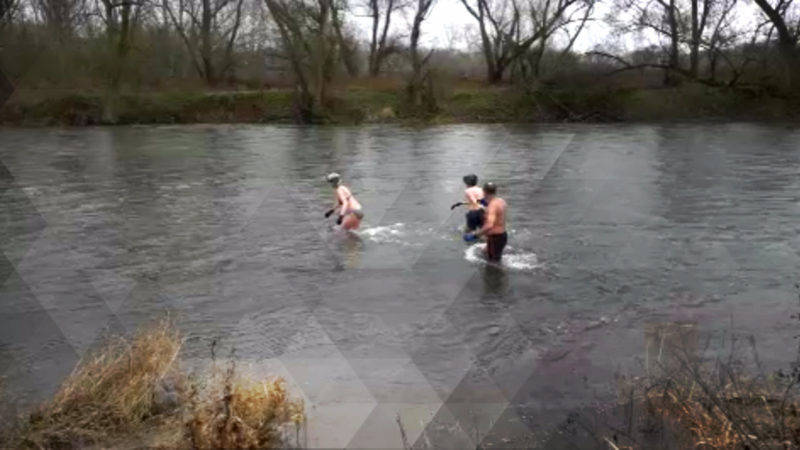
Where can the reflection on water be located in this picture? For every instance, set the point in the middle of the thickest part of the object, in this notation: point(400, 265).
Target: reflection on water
point(350, 245)
point(669, 346)
point(495, 280)
point(614, 229)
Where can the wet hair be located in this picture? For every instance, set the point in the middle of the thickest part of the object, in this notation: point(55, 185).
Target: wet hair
point(489, 188)
point(471, 180)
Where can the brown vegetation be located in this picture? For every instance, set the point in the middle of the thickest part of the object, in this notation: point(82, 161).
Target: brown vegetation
point(241, 413)
point(133, 393)
point(685, 401)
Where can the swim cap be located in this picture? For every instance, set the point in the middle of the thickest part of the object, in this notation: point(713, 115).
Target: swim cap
point(489, 188)
point(332, 177)
point(471, 179)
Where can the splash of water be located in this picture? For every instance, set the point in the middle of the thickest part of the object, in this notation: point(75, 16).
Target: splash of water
point(511, 258)
point(394, 233)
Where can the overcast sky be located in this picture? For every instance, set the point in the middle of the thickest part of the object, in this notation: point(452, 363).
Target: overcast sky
point(449, 19)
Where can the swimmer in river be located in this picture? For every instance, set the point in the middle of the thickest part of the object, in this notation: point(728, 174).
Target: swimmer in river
point(350, 213)
point(475, 202)
point(494, 227)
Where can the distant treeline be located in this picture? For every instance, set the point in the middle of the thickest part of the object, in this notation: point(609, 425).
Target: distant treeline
point(114, 48)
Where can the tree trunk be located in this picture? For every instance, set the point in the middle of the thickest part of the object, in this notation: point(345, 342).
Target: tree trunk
point(695, 41)
point(119, 37)
point(205, 44)
point(420, 82)
point(787, 44)
point(674, 53)
point(493, 75)
point(346, 47)
point(494, 70)
point(320, 79)
point(374, 68)
point(415, 86)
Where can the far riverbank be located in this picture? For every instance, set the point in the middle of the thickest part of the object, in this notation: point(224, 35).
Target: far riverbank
point(355, 105)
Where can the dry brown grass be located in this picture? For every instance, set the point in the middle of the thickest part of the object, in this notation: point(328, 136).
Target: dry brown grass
point(692, 403)
point(130, 393)
point(107, 394)
point(731, 414)
point(235, 412)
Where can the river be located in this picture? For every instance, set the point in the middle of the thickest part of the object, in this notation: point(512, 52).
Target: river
point(613, 230)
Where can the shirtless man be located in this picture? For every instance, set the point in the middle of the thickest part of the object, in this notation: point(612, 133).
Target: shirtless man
point(475, 202)
point(350, 213)
point(494, 228)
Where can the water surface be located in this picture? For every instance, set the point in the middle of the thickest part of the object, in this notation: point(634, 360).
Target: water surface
point(613, 229)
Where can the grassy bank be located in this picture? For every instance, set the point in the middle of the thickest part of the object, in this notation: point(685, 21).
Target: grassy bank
point(461, 103)
point(134, 394)
point(686, 401)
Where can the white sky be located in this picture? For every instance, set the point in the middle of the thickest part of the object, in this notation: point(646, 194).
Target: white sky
point(449, 19)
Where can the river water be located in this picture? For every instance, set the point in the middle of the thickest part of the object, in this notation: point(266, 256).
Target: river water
point(614, 230)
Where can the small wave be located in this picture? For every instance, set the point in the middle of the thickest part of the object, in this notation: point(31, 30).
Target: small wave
point(511, 259)
point(385, 234)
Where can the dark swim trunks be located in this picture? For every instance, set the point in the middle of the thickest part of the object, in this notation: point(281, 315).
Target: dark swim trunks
point(474, 219)
point(495, 243)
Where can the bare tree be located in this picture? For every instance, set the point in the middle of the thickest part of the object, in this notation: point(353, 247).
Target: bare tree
point(662, 18)
point(7, 9)
point(788, 31)
point(208, 28)
point(549, 17)
point(700, 26)
point(419, 75)
point(61, 16)
point(699, 17)
point(516, 34)
point(348, 44)
point(721, 39)
point(121, 19)
point(382, 44)
point(310, 44)
point(498, 24)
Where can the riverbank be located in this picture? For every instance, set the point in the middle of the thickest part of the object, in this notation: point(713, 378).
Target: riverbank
point(135, 394)
point(367, 104)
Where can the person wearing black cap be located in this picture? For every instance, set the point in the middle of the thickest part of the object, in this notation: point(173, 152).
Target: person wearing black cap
point(494, 227)
point(475, 203)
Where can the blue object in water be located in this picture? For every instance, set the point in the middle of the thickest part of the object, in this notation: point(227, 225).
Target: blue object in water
point(470, 237)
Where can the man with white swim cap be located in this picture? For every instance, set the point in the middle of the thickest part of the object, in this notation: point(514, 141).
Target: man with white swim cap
point(350, 213)
point(494, 227)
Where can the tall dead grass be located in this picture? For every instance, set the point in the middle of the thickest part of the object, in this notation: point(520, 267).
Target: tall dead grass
point(687, 401)
point(236, 412)
point(133, 388)
point(107, 394)
point(716, 407)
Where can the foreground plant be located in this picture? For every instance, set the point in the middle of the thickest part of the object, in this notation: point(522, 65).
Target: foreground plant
point(240, 413)
point(688, 402)
point(131, 393)
point(107, 394)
